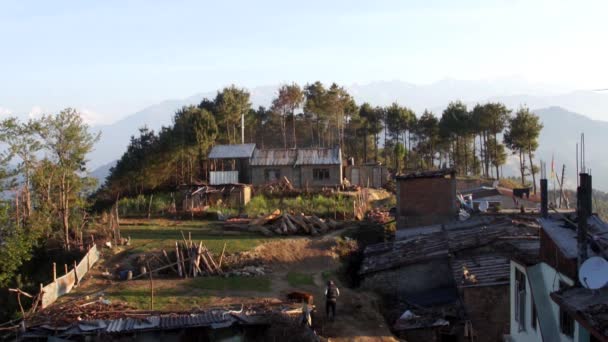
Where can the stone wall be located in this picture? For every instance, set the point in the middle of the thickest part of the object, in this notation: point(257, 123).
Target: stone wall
point(489, 310)
point(411, 279)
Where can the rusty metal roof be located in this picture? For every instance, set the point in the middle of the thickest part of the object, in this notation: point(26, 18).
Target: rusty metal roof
point(231, 151)
point(273, 157)
point(319, 156)
point(434, 242)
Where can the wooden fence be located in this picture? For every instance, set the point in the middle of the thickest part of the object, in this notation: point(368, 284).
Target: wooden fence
point(66, 283)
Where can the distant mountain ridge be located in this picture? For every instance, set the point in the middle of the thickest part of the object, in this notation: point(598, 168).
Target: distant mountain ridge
point(558, 112)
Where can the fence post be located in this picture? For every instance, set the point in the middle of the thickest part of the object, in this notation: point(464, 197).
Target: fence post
point(88, 263)
point(54, 272)
point(76, 273)
point(65, 266)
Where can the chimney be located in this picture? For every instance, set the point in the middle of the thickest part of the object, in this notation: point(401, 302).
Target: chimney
point(544, 199)
point(584, 210)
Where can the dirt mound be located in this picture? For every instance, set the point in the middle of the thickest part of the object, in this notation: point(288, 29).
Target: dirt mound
point(294, 254)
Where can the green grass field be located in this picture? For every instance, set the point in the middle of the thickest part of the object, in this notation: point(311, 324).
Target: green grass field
point(153, 235)
point(184, 294)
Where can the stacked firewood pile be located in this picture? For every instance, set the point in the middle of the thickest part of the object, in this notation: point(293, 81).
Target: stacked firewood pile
point(277, 223)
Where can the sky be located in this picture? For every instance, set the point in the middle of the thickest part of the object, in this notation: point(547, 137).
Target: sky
point(112, 58)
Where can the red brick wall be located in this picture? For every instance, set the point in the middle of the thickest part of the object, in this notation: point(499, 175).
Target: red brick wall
point(423, 201)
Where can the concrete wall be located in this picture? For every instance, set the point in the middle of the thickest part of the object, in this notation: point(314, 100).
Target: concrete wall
point(549, 282)
point(425, 201)
point(409, 280)
point(335, 176)
point(488, 309)
point(299, 176)
point(506, 202)
point(258, 177)
point(363, 175)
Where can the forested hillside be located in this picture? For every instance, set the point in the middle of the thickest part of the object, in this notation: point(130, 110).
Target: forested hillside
point(469, 139)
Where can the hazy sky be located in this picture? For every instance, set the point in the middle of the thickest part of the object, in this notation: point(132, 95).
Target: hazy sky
point(111, 58)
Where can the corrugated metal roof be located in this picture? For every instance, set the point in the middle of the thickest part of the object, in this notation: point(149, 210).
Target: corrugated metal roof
point(231, 151)
point(293, 157)
point(274, 157)
point(481, 270)
point(319, 156)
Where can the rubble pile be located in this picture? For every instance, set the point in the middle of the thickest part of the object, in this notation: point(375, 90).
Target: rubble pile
point(277, 223)
point(81, 310)
point(379, 216)
point(248, 271)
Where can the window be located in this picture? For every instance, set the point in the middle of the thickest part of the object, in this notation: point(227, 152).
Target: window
point(520, 299)
point(534, 316)
point(320, 174)
point(566, 323)
point(272, 175)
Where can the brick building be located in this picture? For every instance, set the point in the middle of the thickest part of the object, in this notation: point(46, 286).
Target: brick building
point(425, 198)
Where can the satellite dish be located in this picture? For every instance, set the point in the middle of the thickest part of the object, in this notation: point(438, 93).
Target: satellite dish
point(593, 273)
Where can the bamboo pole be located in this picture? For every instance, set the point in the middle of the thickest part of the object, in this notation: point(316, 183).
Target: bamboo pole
point(179, 265)
point(222, 256)
point(151, 287)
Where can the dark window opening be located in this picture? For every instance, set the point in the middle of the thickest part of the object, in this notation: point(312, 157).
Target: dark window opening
point(320, 174)
point(534, 316)
point(520, 299)
point(272, 175)
point(566, 322)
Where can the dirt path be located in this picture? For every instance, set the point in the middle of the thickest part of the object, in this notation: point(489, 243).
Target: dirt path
point(358, 317)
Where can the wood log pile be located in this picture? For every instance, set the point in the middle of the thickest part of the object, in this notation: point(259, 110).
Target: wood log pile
point(278, 223)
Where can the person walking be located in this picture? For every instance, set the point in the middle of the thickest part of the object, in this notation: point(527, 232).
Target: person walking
point(331, 296)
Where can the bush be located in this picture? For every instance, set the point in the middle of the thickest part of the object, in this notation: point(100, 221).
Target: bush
point(322, 206)
point(138, 206)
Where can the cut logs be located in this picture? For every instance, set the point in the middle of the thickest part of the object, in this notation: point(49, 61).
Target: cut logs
point(277, 223)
